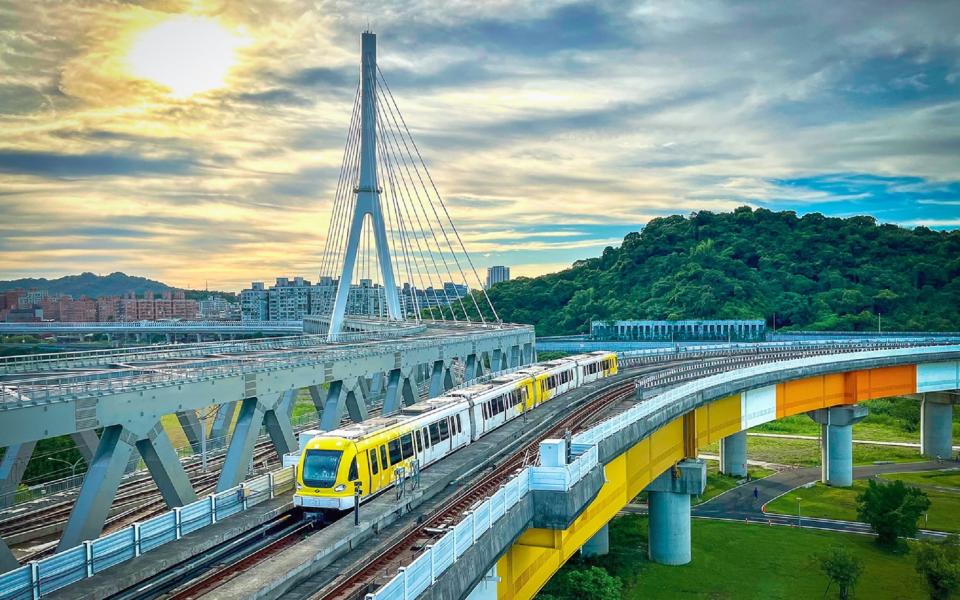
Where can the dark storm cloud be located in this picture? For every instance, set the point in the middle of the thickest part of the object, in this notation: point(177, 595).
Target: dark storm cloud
point(51, 164)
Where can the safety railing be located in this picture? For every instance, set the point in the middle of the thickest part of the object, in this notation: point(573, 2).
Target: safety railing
point(42, 577)
point(412, 580)
point(45, 390)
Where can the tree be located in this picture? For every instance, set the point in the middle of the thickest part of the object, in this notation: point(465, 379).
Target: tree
point(842, 569)
point(939, 565)
point(892, 509)
point(580, 583)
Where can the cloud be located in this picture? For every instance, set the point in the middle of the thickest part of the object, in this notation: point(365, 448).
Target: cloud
point(551, 128)
point(51, 164)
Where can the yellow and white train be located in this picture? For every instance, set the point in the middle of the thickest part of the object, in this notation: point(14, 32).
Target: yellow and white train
point(371, 452)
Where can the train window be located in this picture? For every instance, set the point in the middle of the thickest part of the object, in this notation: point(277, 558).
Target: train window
point(353, 475)
point(383, 456)
point(320, 468)
point(483, 408)
point(395, 456)
point(419, 441)
point(374, 464)
point(459, 425)
point(444, 429)
point(434, 433)
point(426, 438)
point(406, 444)
point(500, 404)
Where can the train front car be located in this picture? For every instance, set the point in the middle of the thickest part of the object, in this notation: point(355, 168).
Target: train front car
point(326, 472)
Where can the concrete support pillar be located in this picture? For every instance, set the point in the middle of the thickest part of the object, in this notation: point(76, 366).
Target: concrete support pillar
point(220, 429)
point(340, 399)
point(87, 442)
point(836, 442)
point(472, 366)
point(499, 360)
point(376, 385)
point(191, 427)
point(733, 455)
point(936, 425)
point(12, 468)
point(399, 391)
point(528, 354)
point(598, 545)
point(279, 428)
point(99, 487)
point(514, 357)
point(240, 451)
point(165, 468)
point(441, 379)
point(669, 497)
point(9, 562)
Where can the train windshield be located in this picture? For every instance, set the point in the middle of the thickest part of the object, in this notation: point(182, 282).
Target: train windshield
point(320, 468)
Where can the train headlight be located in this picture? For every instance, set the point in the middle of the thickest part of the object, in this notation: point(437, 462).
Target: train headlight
point(340, 488)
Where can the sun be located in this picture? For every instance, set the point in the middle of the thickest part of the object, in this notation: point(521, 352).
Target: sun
point(186, 54)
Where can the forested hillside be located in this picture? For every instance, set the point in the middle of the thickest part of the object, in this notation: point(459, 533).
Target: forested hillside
point(814, 272)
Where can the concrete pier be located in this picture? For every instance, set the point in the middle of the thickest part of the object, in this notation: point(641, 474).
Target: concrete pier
point(733, 455)
point(836, 442)
point(670, 511)
point(936, 425)
point(598, 545)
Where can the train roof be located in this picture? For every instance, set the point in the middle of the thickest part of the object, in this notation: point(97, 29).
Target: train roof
point(358, 431)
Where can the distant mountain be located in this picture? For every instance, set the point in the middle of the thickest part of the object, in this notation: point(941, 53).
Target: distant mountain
point(90, 285)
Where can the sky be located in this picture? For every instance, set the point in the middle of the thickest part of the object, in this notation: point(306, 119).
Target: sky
point(199, 143)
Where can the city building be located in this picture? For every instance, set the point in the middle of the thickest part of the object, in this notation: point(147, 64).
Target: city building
point(218, 308)
point(497, 274)
point(680, 331)
point(293, 299)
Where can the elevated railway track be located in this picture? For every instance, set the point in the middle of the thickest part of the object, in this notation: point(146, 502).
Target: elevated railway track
point(398, 547)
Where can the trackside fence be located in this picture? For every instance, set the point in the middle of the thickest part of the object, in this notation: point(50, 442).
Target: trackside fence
point(42, 577)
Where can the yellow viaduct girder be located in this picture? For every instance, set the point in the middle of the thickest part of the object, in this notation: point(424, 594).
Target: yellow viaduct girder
point(538, 553)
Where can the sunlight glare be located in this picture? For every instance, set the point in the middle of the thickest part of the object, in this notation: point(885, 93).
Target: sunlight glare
point(185, 54)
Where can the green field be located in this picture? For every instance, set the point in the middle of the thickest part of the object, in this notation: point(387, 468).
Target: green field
point(736, 560)
point(841, 503)
point(806, 453)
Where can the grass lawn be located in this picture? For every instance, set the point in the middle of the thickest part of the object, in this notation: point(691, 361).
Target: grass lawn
point(717, 483)
point(736, 560)
point(947, 478)
point(841, 503)
point(806, 453)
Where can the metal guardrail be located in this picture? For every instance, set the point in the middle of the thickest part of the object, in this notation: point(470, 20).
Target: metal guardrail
point(414, 579)
point(45, 576)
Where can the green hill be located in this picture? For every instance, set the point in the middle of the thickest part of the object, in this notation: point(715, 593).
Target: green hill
point(814, 272)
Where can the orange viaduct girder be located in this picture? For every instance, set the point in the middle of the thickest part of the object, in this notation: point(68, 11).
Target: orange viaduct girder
point(705, 417)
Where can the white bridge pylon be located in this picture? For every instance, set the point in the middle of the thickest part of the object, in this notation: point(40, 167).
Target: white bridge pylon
point(390, 230)
point(368, 197)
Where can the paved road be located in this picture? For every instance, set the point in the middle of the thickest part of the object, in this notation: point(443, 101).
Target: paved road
point(739, 504)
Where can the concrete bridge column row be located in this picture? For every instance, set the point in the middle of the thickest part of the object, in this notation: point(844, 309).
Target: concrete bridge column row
point(936, 424)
